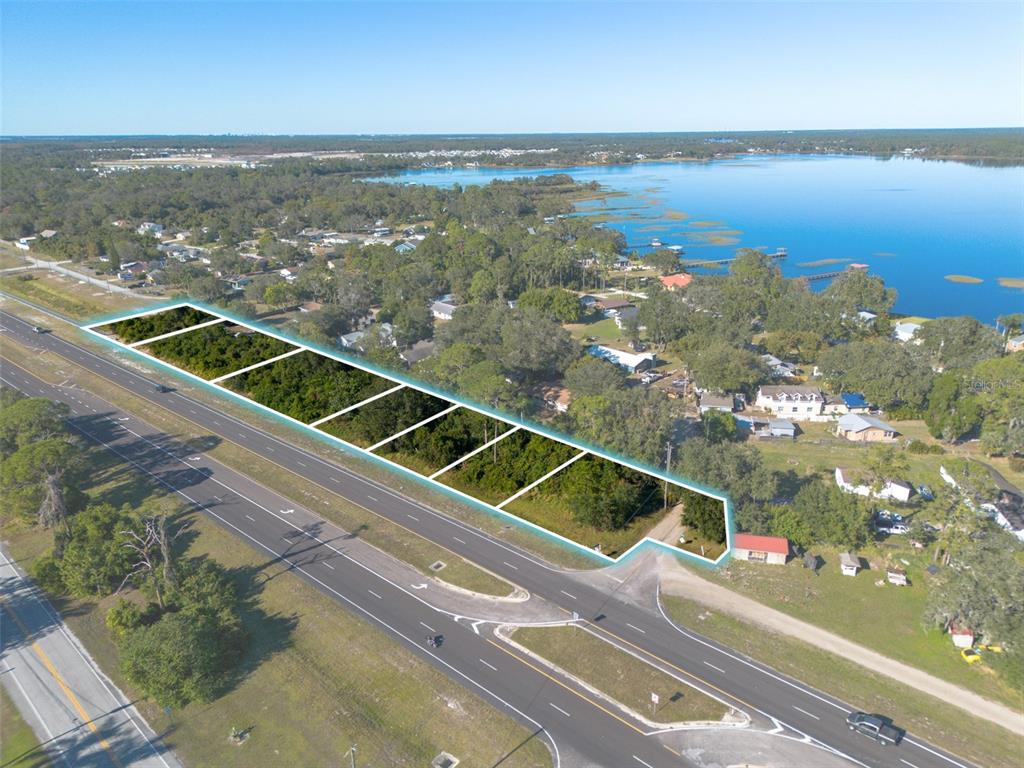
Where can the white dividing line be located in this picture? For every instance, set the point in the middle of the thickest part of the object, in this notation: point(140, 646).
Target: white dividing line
point(254, 366)
point(709, 664)
point(463, 542)
point(489, 666)
point(567, 594)
point(429, 628)
point(371, 498)
point(327, 565)
point(642, 762)
point(251, 518)
point(559, 709)
point(268, 448)
point(540, 480)
point(162, 336)
point(301, 463)
point(412, 517)
point(636, 628)
point(375, 594)
point(361, 403)
point(474, 452)
point(407, 430)
point(513, 567)
point(907, 762)
point(806, 712)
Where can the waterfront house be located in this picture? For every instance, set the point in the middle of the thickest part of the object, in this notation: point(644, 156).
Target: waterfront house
point(860, 428)
point(905, 331)
point(760, 549)
point(1015, 343)
point(795, 402)
point(676, 281)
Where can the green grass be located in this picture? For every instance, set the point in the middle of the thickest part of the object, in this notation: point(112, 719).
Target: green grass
point(942, 724)
point(65, 295)
point(316, 678)
point(19, 747)
point(603, 330)
point(886, 619)
point(620, 676)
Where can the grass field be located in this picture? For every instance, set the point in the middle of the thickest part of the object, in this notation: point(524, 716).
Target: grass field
point(315, 678)
point(66, 295)
point(19, 747)
point(619, 675)
point(946, 726)
point(886, 618)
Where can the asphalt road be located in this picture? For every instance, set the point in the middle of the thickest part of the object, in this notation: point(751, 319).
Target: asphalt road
point(794, 708)
point(81, 719)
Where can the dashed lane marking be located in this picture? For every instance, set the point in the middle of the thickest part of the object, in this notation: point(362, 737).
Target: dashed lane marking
point(642, 632)
point(567, 594)
point(550, 704)
point(513, 567)
point(805, 712)
point(429, 628)
point(709, 664)
point(375, 594)
point(489, 666)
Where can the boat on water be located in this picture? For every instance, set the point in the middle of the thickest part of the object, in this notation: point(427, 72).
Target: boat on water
point(676, 248)
point(655, 242)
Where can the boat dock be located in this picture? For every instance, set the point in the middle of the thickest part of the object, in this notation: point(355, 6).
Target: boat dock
point(830, 275)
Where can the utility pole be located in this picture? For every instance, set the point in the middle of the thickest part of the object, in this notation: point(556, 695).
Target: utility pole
point(668, 468)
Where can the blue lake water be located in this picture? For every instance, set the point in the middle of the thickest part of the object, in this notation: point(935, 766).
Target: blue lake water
point(911, 221)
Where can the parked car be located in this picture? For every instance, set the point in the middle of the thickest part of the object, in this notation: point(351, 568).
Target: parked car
point(876, 727)
point(925, 493)
point(889, 516)
point(894, 529)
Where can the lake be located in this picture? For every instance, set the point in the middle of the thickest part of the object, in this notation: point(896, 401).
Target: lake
point(911, 221)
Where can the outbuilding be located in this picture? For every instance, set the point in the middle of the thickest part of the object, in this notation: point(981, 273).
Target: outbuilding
point(896, 576)
point(848, 564)
point(760, 549)
point(782, 428)
point(861, 428)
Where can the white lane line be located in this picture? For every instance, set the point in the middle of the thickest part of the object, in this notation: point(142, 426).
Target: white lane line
point(513, 567)
point(906, 762)
point(300, 463)
point(371, 498)
point(559, 709)
point(709, 664)
point(490, 666)
point(193, 411)
point(375, 594)
point(460, 540)
point(412, 517)
point(805, 712)
point(328, 565)
point(251, 518)
point(642, 762)
point(567, 594)
point(334, 479)
point(269, 448)
point(636, 628)
point(429, 628)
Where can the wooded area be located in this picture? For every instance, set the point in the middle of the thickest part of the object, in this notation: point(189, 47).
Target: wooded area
point(149, 326)
point(216, 350)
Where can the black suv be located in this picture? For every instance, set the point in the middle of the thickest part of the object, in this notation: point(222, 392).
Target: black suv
point(877, 727)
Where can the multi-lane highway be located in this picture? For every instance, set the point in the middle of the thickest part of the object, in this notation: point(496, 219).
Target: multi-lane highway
point(792, 708)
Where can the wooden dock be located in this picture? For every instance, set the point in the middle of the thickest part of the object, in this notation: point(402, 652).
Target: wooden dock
point(830, 275)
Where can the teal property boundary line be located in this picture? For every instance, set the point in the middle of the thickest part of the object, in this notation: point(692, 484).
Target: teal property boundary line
point(92, 329)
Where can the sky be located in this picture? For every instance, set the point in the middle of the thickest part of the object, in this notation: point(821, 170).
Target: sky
point(529, 67)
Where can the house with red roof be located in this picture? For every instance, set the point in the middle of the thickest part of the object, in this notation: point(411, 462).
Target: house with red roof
point(760, 549)
point(677, 281)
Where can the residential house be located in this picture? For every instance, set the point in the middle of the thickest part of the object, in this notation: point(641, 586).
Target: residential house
point(905, 332)
point(712, 402)
point(860, 428)
point(150, 228)
point(238, 282)
point(418, 351)
point(676, 281)
point(780, 369)
point(444, 307)
point(867, 318)
point(588, 301)
point(46, 234)
point(555, 398)
point(896, 490)
point(846, 402)
point(612, 306)
point(355, 339)
point(311, 306)
point(632, 362)
point(1015, 343)
point(760, 549)
point(405, 247)
point(25, 243)
point(795, 402)
point(624, 314)
point(848, 564)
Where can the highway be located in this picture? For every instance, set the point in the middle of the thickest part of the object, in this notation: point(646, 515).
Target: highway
point(793, 709)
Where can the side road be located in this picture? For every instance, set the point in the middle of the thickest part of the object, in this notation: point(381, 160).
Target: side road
point(79, 716)
point(679, 581)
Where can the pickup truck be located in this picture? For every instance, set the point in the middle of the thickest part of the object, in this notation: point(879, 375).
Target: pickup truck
point(876, 727)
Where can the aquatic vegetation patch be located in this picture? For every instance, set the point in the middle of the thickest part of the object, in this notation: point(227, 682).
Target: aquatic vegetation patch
point(966, 279)
point(1012, 282)
point(823, 262)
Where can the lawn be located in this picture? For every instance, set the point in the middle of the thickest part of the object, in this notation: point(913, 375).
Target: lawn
point(942, 724)
point(19, 747)
point(66, 295)
point(603, 331)
point(216, 350)
point(316, 678)
point(620, 676)
point(886, 619)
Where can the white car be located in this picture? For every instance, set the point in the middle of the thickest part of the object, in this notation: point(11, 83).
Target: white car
point(896, 529)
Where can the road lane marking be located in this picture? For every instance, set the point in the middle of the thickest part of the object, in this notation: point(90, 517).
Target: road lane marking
point(371, 498)
point(491, 666)
point(412, 517)
point(300, 463)
point(460, 540)
point(267, 447)
point(513, 567)
point(327, 565)
point(550, 704)
point(429, 628)
point(251, 518)
point(375, 594)
point(642, 762)
point(567, 594)
point(805, 712)
point(636, 628)
point(906, 762)
point(709, 664)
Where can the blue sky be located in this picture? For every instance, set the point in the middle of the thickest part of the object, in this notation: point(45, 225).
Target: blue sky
point(304, 67)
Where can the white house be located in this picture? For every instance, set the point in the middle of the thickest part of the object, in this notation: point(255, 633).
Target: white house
point(905, 331)
point(796, 402)
point(444, 307)
point(760, 549)
point(150, 228)
point(779, 368)
point(896, 490)
point(632, 362)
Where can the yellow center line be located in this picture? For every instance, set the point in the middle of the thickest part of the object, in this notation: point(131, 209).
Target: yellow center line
point(60, 681)
point(566, 687)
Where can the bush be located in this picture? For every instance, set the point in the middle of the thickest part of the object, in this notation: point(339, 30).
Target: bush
point(122, 619)
point(46, 572)
point(921, 448)
point(1016, 463)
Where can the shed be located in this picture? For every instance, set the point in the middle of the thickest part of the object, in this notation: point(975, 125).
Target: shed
point(781, 428)
point(848, 564)
point(896, 576)
point(962, 637)
point(760, 549)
